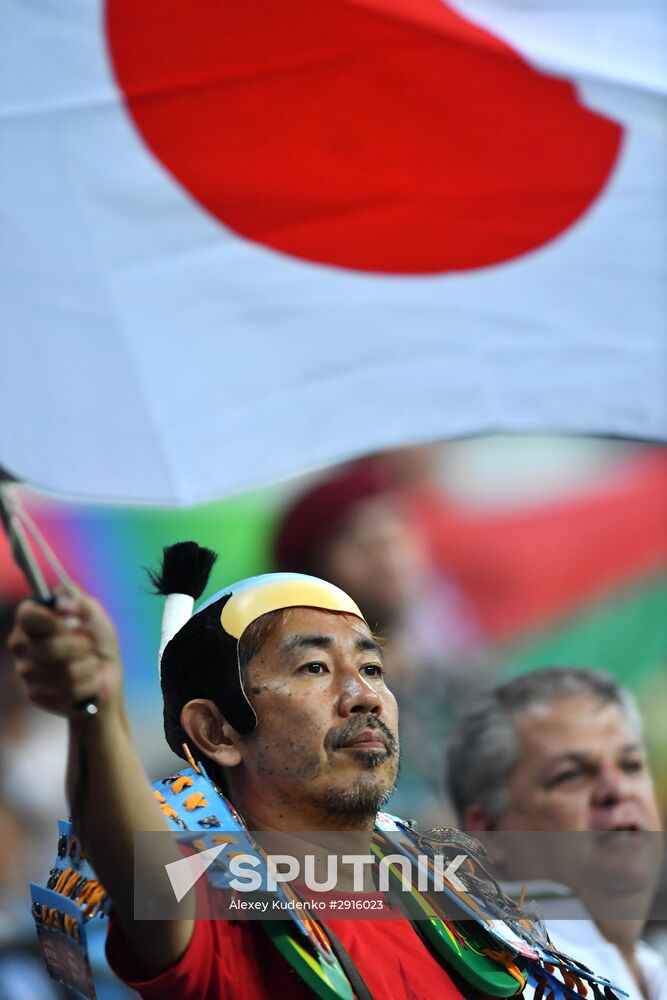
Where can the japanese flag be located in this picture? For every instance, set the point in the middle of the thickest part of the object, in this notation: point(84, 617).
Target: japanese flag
point(242, 239)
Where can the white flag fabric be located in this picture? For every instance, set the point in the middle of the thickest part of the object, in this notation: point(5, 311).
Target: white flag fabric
point(241, 240)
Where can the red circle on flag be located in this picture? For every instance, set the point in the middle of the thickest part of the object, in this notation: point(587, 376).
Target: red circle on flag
point(380, 135)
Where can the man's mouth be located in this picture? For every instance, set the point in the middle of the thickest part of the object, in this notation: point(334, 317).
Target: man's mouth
point(617, 832)
point(367, 740)
point(371, 735)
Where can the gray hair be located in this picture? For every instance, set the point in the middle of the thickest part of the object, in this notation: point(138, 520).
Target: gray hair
point(483, 749)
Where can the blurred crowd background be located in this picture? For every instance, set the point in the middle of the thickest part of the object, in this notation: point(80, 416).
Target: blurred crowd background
point(475, 560)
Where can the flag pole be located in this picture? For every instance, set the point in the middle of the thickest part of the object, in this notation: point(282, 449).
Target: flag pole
point(19, 544)
point(22, 534)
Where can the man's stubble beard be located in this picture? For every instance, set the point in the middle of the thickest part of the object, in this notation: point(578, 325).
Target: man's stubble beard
point(362, 799)
point(369, 792)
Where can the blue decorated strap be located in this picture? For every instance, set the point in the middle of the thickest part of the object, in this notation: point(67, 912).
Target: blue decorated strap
point(62, 909)
point(190, 801)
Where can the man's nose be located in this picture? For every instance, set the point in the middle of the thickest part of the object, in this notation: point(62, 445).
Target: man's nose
point(610, 787)
point(358, 696)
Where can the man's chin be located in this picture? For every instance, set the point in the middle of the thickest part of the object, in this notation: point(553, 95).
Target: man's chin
point(369, 759)
point(359, 799)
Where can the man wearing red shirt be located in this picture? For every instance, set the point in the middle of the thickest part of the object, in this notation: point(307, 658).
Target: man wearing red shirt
point(300, 725)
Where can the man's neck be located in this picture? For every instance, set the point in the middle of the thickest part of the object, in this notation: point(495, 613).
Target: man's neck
point(625, 934)
point(267, 812)
point(296, 830)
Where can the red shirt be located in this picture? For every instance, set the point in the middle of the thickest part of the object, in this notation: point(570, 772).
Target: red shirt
point(227, 960)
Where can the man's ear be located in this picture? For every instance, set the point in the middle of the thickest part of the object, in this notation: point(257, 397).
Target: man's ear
point(475, 820)
point(210, 732)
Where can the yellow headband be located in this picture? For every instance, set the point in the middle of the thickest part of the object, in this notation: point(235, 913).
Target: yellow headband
point(282, 590)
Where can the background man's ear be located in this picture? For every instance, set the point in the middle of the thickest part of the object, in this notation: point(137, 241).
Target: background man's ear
point(210, 732)
point(475, 820)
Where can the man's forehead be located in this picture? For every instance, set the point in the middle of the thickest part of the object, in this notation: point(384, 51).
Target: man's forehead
point(302, 627)
point(300, 643)
point(580, 725)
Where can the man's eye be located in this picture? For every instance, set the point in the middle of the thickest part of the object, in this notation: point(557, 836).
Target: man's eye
point(564, 776)
point(313, 668)
point(373, 670)
point(632, 766)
